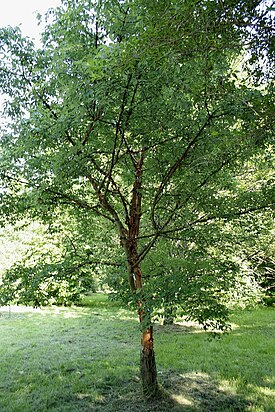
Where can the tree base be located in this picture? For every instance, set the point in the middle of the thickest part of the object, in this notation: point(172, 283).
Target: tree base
point(148, 371)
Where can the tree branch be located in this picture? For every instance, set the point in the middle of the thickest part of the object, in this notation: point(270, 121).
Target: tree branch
point(171, 171)
point(226, 216)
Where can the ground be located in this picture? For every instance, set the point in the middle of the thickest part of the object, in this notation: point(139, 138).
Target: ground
point(86, 359)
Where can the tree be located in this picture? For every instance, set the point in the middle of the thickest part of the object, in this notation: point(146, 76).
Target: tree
point(43, 265)
point(143, 114)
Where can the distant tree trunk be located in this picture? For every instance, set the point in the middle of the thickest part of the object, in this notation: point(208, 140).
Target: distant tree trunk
point(168, 318)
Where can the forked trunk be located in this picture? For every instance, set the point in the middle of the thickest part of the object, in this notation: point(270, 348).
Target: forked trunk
point(148, 369)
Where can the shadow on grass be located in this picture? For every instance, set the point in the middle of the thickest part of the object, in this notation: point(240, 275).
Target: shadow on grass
point(197, 392)
point(88, 356)
point(178, 393)
point(181, 328)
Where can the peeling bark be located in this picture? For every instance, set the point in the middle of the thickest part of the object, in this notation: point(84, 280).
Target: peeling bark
point(148, 369)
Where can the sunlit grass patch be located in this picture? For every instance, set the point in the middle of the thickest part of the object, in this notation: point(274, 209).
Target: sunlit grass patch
point(86, 358)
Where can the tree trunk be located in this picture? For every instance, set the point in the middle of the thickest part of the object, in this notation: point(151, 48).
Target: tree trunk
point(148, 369)
point(168, 318)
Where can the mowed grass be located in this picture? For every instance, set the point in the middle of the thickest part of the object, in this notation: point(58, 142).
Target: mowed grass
point(87, 359)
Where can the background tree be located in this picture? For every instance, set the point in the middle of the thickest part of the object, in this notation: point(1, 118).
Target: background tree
point(142, 114)
point(41, 264)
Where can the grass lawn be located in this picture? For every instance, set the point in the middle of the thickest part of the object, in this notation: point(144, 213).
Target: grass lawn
point(86, 359)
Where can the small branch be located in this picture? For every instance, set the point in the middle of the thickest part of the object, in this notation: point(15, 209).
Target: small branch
point(97, 262)
point(107, 206)
point(205, 219)
point(96, 117)
point(171, 171)
point(80, 203)
point(117, 132)
point(114, 184)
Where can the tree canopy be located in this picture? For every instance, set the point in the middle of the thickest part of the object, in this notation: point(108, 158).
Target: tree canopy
point(152, 124)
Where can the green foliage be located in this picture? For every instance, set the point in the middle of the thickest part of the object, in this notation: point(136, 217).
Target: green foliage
point(46, 268)
point(149, 126)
